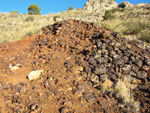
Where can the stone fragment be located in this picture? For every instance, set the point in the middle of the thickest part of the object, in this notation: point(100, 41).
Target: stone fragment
point(135, 68)
point(100, 70)
point(107, 84)
point(14, 67)
point(146, 68)
point(83, 74)
point(92, 61)
point(91, 98)
point(34, 74)
point(139, 63)
point(77, 69)
point(84, 63)
point(64, 109)
point(87, 69)
point(132, 73)
point(95, 79)
point(101, 60)
point(103, 77)
point(80, 88)
point(141, 75)
point(147, 61)
point(126, 68)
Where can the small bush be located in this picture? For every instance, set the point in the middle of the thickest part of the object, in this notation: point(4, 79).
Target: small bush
point(78, 9)
point(55, 17)
point(108, 15)
point(14, 12)
point(70, 8)
point(122, 5)
point(30, 19)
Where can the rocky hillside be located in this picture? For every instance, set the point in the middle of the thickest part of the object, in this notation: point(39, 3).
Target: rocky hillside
point(100, 5)
point(74, 67)
point(131, 21)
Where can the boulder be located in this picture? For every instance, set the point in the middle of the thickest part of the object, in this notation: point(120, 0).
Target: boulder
point(34, 74)
point(99, 5)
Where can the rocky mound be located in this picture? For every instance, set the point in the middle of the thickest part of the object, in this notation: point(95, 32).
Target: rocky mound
point(64, 70)
point(99, 5)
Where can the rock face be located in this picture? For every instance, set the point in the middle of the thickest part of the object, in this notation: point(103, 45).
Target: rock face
point(99, 5)
point(127, 4)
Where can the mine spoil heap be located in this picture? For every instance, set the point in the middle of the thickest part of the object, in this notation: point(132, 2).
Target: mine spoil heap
point(74, 58)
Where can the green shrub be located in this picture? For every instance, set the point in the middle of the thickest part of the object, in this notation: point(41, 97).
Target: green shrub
point(55, 17)
point(34, 9)
point(78, 9)
point(122, 5)
point(108, 15)
point(14, 12)
point(70, 8)
point(30, 19)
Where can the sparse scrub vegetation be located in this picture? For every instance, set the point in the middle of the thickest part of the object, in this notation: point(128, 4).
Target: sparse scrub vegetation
point(22, 26)
point(122, 90)
point(70, 8)
point(55, 17)
point(108, 15)
point(145, 35)
point(34, 9)
point(122, 5)
point(30, 18)
point(14, 26)
point(127, 25)
point(14, 12)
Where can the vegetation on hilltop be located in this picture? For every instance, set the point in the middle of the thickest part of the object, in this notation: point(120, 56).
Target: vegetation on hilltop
point(34, 9)
point(132, 23)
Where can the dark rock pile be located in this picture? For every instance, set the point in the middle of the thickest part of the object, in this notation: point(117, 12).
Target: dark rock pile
point(114, 57)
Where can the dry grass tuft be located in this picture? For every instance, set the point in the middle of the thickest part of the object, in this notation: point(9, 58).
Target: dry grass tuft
point(123, 91)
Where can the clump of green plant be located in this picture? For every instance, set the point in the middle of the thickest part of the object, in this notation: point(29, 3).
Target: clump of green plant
point(78, 9)
point(108, 15)
point(122, 5)
point(55, 17)
point(30, 19)
point(14, 14)
point(70, 8)
point(34, 9)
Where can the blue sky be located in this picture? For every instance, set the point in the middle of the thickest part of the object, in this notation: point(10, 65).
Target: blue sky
point(49, 6)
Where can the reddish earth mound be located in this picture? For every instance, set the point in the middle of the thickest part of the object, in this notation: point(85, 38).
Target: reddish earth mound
point(74, 58)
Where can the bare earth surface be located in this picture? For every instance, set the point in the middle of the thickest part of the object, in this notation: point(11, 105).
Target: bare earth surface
point(76, 56)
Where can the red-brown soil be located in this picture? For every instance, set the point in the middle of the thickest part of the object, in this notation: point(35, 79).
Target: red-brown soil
point(62, 86)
